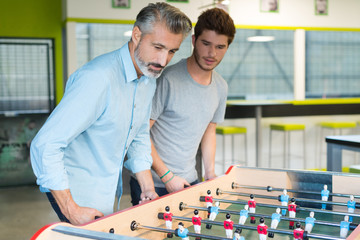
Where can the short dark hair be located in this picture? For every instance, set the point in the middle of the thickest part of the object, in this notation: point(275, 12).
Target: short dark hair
point(217, 20)
point(175, 20)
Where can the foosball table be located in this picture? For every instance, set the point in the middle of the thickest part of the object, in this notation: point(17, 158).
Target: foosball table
point(244, 203)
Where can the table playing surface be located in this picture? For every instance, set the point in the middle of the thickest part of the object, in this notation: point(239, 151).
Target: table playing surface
point(218, 230)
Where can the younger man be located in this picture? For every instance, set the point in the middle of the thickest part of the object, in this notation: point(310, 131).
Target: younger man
point(189, 100)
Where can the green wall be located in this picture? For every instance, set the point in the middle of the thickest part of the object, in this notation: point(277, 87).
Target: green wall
point(37, 19)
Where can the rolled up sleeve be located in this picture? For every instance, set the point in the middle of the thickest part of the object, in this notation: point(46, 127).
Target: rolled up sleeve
point(139, 152)
point(82, 104)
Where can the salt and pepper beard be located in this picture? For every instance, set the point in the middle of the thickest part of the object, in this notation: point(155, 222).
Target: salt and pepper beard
point(145, 67)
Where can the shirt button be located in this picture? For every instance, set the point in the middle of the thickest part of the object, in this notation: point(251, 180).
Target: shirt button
point(135, 105)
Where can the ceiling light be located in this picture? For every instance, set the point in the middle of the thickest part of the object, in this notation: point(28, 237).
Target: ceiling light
point(261, 39)
point(128, 33)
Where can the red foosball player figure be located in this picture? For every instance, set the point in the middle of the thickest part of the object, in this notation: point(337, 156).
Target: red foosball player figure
point(298, 232)
point(196, 220)
point(292, 212)
point(228, 225)
point(252, 206)
point(262, 229)
point(168, 220)
point(208, 200)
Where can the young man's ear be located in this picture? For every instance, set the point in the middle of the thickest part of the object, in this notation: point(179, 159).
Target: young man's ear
point(193, 39)
point(136, 35)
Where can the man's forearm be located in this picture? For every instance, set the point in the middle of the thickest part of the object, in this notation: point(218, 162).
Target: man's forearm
point(65, 201)
point(158, 165)
point(208, 148)
point(145, 181)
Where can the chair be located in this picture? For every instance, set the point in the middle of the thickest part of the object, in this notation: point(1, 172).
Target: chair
point(232, 130)
point(287, 128)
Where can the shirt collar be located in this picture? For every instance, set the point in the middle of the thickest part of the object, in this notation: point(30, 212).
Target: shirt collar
point(129, 68)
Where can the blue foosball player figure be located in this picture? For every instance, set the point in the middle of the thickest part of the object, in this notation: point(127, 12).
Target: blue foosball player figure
point(324, 196)
point(275, 219)
point(237, 234)
point(351, 207)
point(244, 214)
point(344, 227)
point(182, 231)
point(309, 222)
point(213, 210)
point(284, 199)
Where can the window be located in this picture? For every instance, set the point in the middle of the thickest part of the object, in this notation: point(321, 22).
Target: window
point(94, 39)
point(332, 64)
point(259, 69)
point(26, 76)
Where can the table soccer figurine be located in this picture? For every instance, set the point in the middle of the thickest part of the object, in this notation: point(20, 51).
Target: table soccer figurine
point(228, 225)
point(284, 199)
point(344, 227)
point(324, 196)
point(262, 229)
point(213, 210)
point(196, 220)
point(168, 220)
point(252, 208)
point(244, 214)
point(351, 207)
point(309, 222)
point(182, 231)
point(275, 219)
point(237, 234)
point(298, 232)
point(208, 199)
point(292, 212)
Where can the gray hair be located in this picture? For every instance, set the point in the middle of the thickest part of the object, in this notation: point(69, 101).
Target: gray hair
point(176, 21)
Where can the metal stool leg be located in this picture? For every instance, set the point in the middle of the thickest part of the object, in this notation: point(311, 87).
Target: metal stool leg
point(223, 151)
point(246, 152)
point(232, 149)
point(321, 140)
point(285, 140)
point(288, 149)
point(270, 149)
point(304, 144)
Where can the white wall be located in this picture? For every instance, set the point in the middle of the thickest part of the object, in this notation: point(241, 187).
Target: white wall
point(102, 9)
point(297, 13)
point(292, 13)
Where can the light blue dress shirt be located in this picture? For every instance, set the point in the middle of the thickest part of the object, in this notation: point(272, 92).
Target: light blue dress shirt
point(103, 115)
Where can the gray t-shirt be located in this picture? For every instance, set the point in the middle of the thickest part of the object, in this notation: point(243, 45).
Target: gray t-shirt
point(182, 109)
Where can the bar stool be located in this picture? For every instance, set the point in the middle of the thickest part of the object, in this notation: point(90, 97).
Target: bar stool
point(333, 126)
point(232, 130)
point(354, 169)
point(287, 128)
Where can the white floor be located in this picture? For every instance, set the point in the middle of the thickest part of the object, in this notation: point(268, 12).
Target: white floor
point(24, 210)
